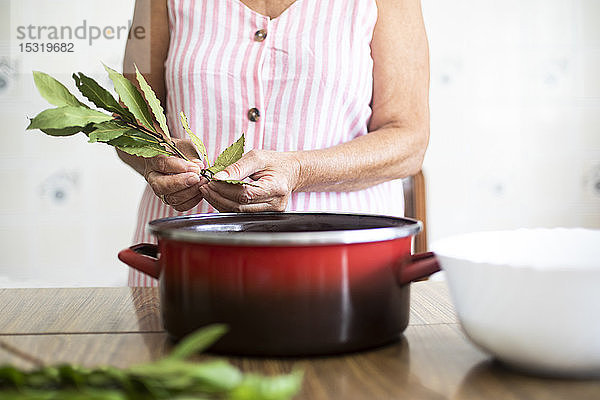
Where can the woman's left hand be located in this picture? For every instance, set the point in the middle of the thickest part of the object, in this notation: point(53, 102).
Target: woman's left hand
point(275, 174)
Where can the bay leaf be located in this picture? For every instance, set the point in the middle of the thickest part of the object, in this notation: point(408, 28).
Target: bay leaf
point(71, 130)
point(131, 97)
point(229, 156)
point(195, 139)
point(71, 375)
point(235, 182)
point(198, 341)
point(217, 375)
point(67, 117)
point(138, 144)
point(109, 130)
point(101, 97)
point(11, 376)
point(143, 151)
point(153, 102)
point(273, 388)
point(68, 131)
point(208, 376)
point(54, 91)
point(143, 137)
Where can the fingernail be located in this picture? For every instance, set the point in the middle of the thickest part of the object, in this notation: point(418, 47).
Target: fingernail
point(192, 180)
point(221, 175)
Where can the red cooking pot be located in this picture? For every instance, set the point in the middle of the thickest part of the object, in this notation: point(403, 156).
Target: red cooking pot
point(285, 283)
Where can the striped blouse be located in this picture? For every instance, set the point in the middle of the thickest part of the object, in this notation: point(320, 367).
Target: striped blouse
point(308, 72)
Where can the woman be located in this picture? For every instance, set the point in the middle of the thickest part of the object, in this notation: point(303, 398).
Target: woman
point(332, 97)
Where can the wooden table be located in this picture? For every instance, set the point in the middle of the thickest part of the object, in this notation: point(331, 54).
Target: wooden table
point(121, 326)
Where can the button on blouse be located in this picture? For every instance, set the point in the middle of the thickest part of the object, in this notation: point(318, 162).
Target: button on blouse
point(260, 35)
point(253, 114)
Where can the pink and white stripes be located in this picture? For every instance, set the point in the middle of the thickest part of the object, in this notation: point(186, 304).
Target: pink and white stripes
point(311, 79)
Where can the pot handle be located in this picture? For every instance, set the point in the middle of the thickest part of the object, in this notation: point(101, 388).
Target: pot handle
point(417, 266)
point(143, 257)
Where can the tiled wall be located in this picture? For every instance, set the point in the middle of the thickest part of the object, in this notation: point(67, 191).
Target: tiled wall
point(515, 114)
point(515, 101)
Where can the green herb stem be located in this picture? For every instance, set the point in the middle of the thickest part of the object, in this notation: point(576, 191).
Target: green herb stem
point(171, 377)
point(72, 116)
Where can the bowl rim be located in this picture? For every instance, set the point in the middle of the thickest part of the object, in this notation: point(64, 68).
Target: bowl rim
point(441, 246)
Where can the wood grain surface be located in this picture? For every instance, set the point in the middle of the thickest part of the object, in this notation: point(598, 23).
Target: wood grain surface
point(110, 310)
point(101, 310)
point(121, 327)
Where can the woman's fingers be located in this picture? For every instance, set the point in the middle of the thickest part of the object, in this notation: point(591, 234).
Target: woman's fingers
point(243, 194)
point(224, 204)
point(168, 175)
point(187, 148)
point(181, 197)
point(170, 165)
point(176, 180)
point(167, 184)
point(189, 204)
point(274, 177)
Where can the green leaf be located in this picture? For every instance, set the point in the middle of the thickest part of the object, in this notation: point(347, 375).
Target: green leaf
point(143, 137)
point(131, 97)
point(215, 376)
point(138, 144)
point(195, 139)
point(54, 91)
point(10, 376)
point(43, 378)
point(71, 375)
point(71, 130)
point(109, 130)
point(100, 96)
point(209, 376)
point(198, 341)
point(154, 103)
point(66, 117)
point(229, 156)
point(142, 151)
point(255, 387)
point(234, 182)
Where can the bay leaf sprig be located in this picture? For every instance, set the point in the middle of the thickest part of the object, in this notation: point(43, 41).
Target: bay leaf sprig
point(129, 125)
point(172, 377)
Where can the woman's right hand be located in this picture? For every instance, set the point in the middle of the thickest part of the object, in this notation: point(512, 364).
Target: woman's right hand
point(174, 180)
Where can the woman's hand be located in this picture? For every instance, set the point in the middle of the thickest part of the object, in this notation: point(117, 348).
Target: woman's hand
point(175, 180)
point(275, 175)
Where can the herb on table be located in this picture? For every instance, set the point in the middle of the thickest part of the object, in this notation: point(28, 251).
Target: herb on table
point(130, 127)
point(172, 377)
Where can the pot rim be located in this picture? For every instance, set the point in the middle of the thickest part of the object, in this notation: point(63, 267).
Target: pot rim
point(404, 227)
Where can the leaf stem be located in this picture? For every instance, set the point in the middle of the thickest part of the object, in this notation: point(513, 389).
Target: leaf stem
point(154, 134)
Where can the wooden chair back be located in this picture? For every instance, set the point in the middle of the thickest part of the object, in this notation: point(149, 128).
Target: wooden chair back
point(414, 207)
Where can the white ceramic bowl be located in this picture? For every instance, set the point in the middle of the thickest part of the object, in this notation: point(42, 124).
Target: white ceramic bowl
point(530, 297)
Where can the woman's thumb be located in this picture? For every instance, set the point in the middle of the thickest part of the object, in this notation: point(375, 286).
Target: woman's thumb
point(243, 168)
